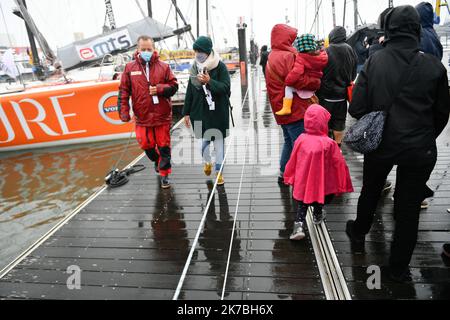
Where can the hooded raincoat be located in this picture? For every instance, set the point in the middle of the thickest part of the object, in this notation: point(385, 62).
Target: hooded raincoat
point(317, 167)
point(429, 42)
point(281, 62)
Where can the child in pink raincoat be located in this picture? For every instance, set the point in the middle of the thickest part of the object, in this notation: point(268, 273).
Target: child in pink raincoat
point(317, 169)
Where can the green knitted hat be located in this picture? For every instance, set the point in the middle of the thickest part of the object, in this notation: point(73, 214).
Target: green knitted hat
point(306, 43)
point(203, 44)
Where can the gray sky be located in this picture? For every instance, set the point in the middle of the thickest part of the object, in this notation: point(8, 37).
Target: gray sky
point(59, 19)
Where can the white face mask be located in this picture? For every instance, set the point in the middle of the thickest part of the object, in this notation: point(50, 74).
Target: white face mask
point(201, 57)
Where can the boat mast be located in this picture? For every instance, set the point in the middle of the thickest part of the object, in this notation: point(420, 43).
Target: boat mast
point(207, 19)
point(177, 24)
point(333, 6)
point(198, 18)
point(187, 27)
point(34, 51)
point(149, 8)
point(345, 12)
point(355, 2)
point(317, 19)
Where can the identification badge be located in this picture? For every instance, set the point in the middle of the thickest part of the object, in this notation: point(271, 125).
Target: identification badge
point(212, 106)
point(136, 73)
point(155, 100)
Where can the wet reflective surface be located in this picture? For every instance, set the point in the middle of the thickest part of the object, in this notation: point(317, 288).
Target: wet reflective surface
point(133, 242)
point(40, 187)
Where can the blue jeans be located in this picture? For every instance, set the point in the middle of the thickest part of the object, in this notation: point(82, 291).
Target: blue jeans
point(219, 148)
point(291, 133)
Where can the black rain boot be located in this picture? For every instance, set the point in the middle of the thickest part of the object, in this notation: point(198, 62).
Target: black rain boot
point(166, 158)
point(153, 155)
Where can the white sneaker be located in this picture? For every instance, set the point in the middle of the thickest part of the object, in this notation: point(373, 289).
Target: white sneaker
point(425, 205)
point(299, 232)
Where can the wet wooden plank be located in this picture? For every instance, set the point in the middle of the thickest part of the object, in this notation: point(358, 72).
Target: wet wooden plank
point(60, 292)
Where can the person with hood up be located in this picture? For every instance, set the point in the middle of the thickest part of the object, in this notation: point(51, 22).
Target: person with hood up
point(150, 84)
point(310, 62)
point(429, 42)
point(338, 76)
point(317, 170)
point(418, 111)
point(264, 57)
point(280, 64)
point(207, 104)
point(378, 43)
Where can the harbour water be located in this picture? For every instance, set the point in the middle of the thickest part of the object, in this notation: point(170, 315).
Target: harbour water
point(38, 188)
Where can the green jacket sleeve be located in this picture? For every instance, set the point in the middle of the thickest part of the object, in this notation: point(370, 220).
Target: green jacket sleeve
point(188, 100)
point(221, 85)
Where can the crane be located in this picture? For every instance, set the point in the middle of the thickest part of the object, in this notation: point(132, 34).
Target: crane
point(110, 14)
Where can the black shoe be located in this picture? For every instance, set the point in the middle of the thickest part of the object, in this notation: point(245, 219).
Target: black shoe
point(355, 239)
point(319, 216)
point(400, 277)
point(165, 183)
point(446, 250)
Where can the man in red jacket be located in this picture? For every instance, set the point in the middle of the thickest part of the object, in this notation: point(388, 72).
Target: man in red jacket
point(280, 64)
point(150, 83)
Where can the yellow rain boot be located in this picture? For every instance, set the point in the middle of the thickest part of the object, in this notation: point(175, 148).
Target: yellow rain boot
point(220, 180)
point(287, 108)
point(207, 169)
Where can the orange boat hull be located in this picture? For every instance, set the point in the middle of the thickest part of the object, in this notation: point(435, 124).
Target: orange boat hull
point(61, 115)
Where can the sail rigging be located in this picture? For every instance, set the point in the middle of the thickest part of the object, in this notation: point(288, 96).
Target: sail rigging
point(48, 52)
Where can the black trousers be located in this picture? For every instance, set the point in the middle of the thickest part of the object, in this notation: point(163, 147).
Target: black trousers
point(302, 209)
point(409, 194)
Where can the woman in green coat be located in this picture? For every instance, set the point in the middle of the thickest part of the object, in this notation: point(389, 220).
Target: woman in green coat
point(207, 105)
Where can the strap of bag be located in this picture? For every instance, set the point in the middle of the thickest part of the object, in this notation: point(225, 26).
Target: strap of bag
point(274, 74)
point(231, 112)
point(404, 79)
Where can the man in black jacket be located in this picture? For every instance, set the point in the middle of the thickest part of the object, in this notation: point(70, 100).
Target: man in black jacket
point(337, 77)
point(419, 114)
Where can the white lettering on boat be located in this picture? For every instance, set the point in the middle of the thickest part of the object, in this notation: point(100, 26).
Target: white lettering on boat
point(40, 119)
point(61, 116)
point(7, 125)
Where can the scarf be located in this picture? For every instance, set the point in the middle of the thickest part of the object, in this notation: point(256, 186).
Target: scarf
point(210, 64)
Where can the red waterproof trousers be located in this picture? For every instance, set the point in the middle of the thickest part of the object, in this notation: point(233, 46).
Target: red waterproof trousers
point(155, 141)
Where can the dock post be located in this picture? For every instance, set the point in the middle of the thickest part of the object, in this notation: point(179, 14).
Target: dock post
point(243, 60)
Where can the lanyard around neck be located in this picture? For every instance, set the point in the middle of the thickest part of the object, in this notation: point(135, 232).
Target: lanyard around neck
point(147, 71)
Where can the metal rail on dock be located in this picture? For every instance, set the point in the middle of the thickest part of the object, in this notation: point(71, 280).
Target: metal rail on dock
point(333, 279)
